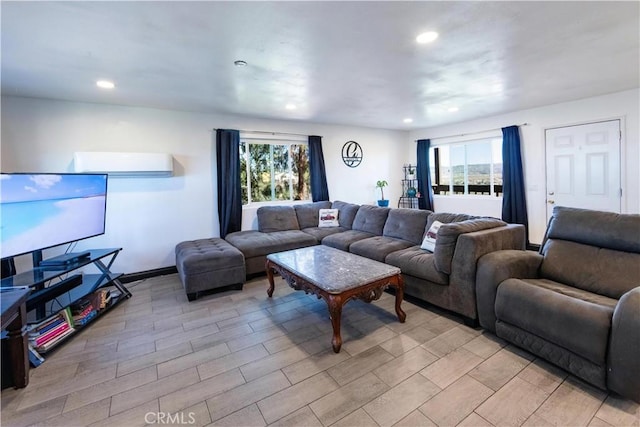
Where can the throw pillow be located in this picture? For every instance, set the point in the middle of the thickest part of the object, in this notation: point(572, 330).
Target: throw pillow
point(328, 218)
point(429, 242)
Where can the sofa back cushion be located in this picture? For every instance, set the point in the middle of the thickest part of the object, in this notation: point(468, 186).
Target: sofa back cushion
point(620, 232)
point(448, 237)
point(445, 218)
point(406, 224)
point(277, 218)
point(307, 213)
point(370, 219)
point(346, 213)
point(591, 250)
point(598, 270)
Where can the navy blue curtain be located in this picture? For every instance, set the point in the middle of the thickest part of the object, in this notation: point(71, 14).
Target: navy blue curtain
point(423, 173)
point(319, 189)
point(229, 191)
point(514, 203)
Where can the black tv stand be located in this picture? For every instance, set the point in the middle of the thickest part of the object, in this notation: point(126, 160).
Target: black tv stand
point(65, 259)
point(55, 287)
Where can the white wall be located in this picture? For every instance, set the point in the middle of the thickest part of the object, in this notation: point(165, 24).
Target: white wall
point(383, 157)
point(148, 216)
point(623, 105)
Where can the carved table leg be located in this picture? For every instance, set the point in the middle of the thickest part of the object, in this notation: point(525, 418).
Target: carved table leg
point(270, 278)
point(399, 297)
point(335, 311)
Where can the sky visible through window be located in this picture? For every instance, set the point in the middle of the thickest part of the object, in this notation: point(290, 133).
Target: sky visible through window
point(476, 163)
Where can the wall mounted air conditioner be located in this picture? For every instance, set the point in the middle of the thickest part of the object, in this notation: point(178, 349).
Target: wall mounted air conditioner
point(124, 164)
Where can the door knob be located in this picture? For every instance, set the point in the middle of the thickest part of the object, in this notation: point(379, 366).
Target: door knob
point(550, 202)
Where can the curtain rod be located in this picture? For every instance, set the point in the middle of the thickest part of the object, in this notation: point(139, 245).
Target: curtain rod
point(472, 133)
point(269, 133)
point(299, 141)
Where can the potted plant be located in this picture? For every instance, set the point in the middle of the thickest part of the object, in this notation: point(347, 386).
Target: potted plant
point(381, 184)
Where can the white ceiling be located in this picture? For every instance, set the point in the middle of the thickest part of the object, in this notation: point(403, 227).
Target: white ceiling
point(353, 63)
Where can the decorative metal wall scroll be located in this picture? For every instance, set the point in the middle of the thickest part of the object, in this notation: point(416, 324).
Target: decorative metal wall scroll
point(351, 154)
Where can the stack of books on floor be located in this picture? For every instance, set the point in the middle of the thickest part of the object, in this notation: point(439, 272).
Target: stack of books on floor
point(46, 334)
point(83, 311)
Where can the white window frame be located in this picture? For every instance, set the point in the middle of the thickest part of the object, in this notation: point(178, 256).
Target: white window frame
point(452, 144)
point(287, 141)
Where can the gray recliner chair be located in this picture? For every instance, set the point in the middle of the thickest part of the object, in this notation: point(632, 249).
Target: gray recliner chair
point(577, 302)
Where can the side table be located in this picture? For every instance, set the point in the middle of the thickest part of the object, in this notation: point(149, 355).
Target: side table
point(14, 318)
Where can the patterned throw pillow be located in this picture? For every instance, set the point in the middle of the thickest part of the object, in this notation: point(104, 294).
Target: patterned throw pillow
point(328, 218)
point(429, 242)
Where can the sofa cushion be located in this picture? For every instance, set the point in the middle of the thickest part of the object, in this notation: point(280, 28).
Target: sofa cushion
point(321, 232)
point(576, 320)
point(572, 292)
point(343, 240)
point(347, 213)
point(419, 263)
point(448, 237)
point(378, 247)
point(595, 269)
point(277, 218)
point(406, 224)
point(307, 213)
point(254, 243)
point(602, 229)
point(540, 307)
point(445, 218)
point(370, 219)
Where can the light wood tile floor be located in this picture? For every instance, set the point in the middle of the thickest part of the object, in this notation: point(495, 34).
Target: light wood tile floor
point(239, 358)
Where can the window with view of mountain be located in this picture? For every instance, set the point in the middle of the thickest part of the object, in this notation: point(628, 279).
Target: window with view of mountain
point(468, 168)
point(273, 171)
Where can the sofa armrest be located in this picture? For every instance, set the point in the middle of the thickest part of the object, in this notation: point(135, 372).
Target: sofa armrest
point(493, 269)
point(623, 361)
point(469, 248)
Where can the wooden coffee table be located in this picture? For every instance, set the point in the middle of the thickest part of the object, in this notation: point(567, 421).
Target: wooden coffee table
point(337, 277)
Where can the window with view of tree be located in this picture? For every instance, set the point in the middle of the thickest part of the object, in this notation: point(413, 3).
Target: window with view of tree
point(272, 171)
point(472, 167)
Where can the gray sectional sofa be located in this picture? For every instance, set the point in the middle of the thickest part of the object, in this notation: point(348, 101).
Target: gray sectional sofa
point(444, 277)
point(577, 302)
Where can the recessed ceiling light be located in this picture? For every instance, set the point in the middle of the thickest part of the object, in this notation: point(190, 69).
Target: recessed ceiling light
point(408, 120)
point(240, 63)
point(427, 37)
point(290, 107)
point(105, 84)
point(452, 109)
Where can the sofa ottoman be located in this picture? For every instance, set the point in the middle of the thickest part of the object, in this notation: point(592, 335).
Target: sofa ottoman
point(207, 264)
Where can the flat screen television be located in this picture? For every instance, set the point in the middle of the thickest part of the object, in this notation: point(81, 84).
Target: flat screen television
point(42, 210)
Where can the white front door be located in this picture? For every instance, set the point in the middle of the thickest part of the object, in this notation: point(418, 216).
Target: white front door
point(583, 166)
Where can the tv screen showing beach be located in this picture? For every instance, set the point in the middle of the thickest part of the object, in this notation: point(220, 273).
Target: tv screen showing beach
point(38, 211)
